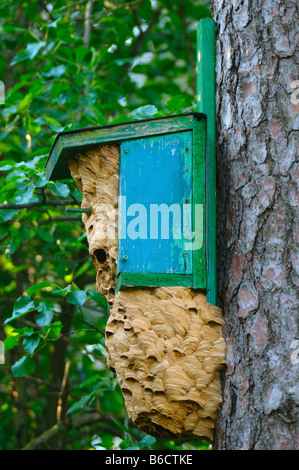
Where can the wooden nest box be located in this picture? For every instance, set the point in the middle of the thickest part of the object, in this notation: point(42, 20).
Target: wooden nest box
point(144, 185)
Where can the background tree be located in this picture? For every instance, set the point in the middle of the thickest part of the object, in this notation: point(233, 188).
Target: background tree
point(69, 65)
point(257, 110)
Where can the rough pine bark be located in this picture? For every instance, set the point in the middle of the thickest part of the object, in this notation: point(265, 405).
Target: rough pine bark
point(257, 191)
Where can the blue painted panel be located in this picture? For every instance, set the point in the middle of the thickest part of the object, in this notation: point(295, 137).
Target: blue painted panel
point(155, 173)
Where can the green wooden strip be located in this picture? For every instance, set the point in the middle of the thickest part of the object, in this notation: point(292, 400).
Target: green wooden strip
point(153, 280)
point(128, 131)
point(199, 204)
point(53, 159)
point(206, 104)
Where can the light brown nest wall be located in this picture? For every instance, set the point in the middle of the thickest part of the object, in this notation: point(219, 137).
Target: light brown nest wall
point(164, 344)
point(96, 175)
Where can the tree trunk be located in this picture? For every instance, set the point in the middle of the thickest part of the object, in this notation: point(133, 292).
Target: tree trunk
point(257, 126)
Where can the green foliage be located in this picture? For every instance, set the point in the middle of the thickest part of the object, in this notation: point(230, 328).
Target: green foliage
point(23, 366)
point(139, 62)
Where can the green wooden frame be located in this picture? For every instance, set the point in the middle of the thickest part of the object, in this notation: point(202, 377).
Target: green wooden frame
point(206, 103)
point(71, 143)
point(152, 280)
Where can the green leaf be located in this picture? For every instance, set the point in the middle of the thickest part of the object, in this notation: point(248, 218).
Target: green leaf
point(8, 214)
point(124, 61)
point(76, 297)
point(44, 235)
point(24, 366)
point(90, 119)
point(178, 104)
point(25, 192)
point(41, 181)
point(100, 118)
point(80, 403)
point(61, 189)
point(125, 443)
point(91, 381)
point(144, 112)
point(46, 309)
point(53, 24)
point(23, 305)
point(11, 342)
point(6, 165)
point(9, 27)
point(120, 425)
point(30, 52)
point(81, 52)
point(11, 185)
point(55, 72)
point(147, 441)
point(53, 331)
point(100, 299)
point(36, 287)
point(31, 342)
point(121, 119)
point(62, 292)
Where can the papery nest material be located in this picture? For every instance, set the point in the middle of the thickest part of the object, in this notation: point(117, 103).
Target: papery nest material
point(164, 344)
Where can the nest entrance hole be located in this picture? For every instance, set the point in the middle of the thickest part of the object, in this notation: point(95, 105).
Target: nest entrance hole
point(100, 255)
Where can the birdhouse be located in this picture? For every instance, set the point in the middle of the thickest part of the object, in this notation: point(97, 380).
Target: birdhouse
point(162, 219)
